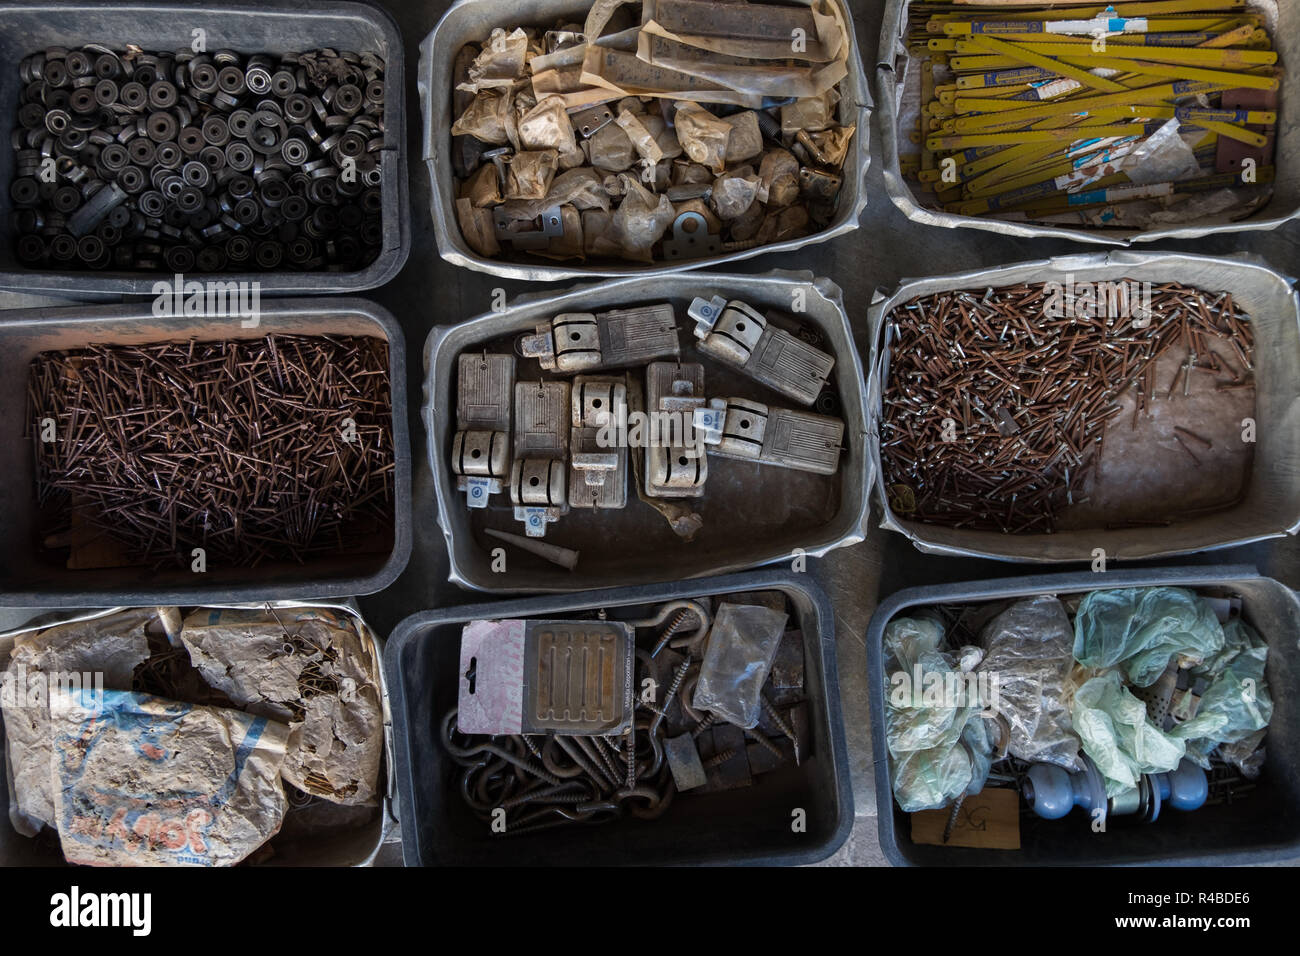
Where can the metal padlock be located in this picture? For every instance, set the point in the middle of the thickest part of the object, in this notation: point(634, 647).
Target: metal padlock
point(598, 455)
point(739, 335)
point(783, 437)
point(675, 463)
point(480, 449)
point(541, 447)
point(587, 341)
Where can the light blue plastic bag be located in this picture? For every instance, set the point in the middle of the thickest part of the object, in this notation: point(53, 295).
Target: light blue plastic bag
point(1237, 702)
point(1118, 736)
point(1140, 630)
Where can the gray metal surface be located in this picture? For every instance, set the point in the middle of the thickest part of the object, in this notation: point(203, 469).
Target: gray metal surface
point(471, 21)
point(891, 66)
point(249, 26)
point(888, 247)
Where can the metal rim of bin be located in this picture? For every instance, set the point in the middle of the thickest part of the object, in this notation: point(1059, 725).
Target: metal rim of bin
point(53, 617)
point(1054, 267)
point(409, 629)
point(395, 214)
point(32, 320)
point(892, 32)
point(980, 591)
point(435, 110)
point(846, 357)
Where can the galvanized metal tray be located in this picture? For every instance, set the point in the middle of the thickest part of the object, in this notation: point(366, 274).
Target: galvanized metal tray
point(353, 845)
point(893, 63)
point(1271, 506)
point(753, 515)
point(471, 21)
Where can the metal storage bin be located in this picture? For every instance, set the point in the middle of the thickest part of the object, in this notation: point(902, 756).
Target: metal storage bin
point(354, 845)
point(471, 21)
point(26, 580)
point(635, 545)
point(1271, 505)
point(271, 27)
point(751, 825)
point(892, 65)
point(1265, 828)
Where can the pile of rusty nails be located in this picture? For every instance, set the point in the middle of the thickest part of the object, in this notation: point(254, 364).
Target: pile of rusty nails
point(278, 448)
point(551, 780)
point(994, 415)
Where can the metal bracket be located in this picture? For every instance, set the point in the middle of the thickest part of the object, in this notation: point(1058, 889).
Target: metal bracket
point(691, 238)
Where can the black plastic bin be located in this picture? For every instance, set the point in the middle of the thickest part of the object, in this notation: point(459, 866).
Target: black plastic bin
point(747, 826)
point(1263, 826)
point(29, 578)
point(268, 26)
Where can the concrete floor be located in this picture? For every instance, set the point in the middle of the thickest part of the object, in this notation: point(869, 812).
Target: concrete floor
point(887, 248)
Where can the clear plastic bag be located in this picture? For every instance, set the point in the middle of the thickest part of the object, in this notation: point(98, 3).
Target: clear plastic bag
point(1237, 704)
point(1140, 630)
point(742, 644)
point(939, 744)
point(1118, 736)
point(1028, 659)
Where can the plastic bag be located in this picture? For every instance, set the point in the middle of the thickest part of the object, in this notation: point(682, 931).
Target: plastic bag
point(1237, 703)
point(1141, 629)
point(1028, 656)
point(931, 779)
point(742, 644)
point(1118, 735)
point(939, 744)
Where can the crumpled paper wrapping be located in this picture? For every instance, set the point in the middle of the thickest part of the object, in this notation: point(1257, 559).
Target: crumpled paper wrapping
point(703, 136)
point(109, 646)
point(529, 173)
point(640, 220)
point(643, 141)
point(308, 668)
point(489, 117)
point(143, 781)
point(478, 228)
point(583, 188)
point(500, 63)
point(779, 173)
point(547, 126)
point(734, 193)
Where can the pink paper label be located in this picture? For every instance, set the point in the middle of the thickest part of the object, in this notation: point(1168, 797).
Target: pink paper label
point(491, 697)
